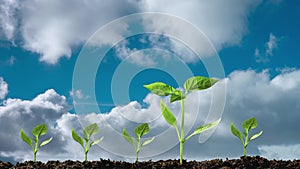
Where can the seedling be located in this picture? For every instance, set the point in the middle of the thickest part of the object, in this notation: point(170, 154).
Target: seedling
point(247, 125)
point(37, 131)
point(139, 131)
point(88, 131)
point(191, 84)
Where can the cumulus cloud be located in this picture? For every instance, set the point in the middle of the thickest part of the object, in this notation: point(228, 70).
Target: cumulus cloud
point(8, 18)
point(273, 101)
point(52, 28)
point(223, 23)
point(3, 88)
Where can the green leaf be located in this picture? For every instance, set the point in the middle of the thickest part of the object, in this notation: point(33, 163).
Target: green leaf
point(256, 135)
point(249, 124)
point(167, 114)
point(148, 141)
point(236, 132)
point(204, 128)
point(77, 138)
point(39, 130)
point(90, 130)
point(127, 137)
point(46, 141)
point(96, 141)
point(26, 139)
point(160, 88)
point(177, 95)
point(142, 129)
point(198, 83)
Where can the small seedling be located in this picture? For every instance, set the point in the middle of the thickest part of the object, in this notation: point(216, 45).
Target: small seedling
point(247, 125)
point(37, 131)
point(88, 131)
point(139, 131)
point(191, 84)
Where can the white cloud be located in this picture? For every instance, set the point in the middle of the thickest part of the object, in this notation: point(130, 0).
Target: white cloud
point(250, 94)
point(52, 28)
point(271, 44)
point(279, 152)
point(133, 56)
point(3, 88)
point(223, 23)
point(8, 20)
point(269, 48)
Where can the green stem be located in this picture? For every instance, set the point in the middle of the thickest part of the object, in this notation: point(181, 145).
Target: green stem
point(245, 151)
point(137, 158)
point(181, 152)
point(85, 156)
point(36, 149)
point(182, 131)
point(34, 156)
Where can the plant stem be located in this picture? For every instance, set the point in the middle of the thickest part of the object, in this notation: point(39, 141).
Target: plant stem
point(137, 158)
point(36, 149)
point(182, 131)
point(85, 156)
point(34, 156)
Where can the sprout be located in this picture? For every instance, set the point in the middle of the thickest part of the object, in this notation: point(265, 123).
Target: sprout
point(88, 131)
point(247, 125)
point(37, 131)
point(139, 131)
point(191, 84)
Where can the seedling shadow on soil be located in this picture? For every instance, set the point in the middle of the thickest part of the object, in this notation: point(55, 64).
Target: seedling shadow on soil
point(242, 163)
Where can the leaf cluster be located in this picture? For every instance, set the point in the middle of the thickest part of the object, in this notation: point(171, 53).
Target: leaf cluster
point(247, 126)
point(139, 131)
point(37, 131)
point(88, 132)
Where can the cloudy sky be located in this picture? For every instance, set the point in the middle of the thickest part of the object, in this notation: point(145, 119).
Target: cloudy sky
point(72, 63)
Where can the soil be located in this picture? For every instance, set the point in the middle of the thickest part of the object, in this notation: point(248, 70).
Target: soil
point(242, 163)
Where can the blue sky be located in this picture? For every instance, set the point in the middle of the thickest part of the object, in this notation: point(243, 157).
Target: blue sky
point(42, 42)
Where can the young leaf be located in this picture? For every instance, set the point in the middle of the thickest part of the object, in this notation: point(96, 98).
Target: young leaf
point(167, 114)
point(148, 141)
point(77, 138)
point(204, 128)
point(236, 132)
point(176, 96)
point(128, 138)
point(96, 141)
point(160, 88)
point(142, 129)
point(256, 135)
point(26, 139)
point(198, 83)
point(46, 141)
point(249, 124)
point(39, 130)
point(90, 130)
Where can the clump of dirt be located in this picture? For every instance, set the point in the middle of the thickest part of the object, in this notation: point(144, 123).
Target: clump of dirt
point(242, 163)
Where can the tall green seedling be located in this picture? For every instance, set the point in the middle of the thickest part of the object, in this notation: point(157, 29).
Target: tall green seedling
point(247, 126)
point(192, 84)
point(139, 131)
point(88, 132)
point(37, 131)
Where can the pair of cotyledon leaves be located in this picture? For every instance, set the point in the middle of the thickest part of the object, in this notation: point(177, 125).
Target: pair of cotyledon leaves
point(88, 131)
point(247, 126)
point(37, 131)
point(139, 131)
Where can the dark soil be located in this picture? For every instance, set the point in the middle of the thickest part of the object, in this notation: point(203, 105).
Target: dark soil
point(242, 163)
